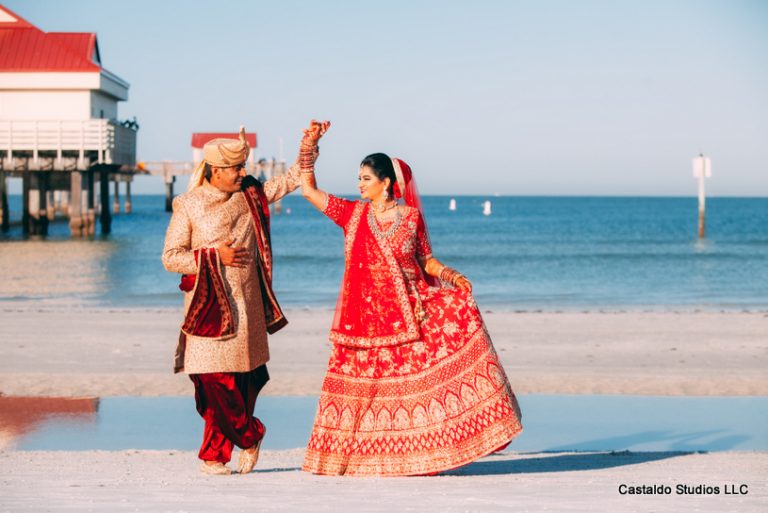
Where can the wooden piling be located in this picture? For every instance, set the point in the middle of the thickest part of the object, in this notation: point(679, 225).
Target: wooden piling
point(702, 208)
point(51, 203)
point(5, 222)
point(42, 194)
point(105, 215)
point(90, 220)
point(128, 206)
point(76, 204)
point(702, 169)
point(26, 186)
point(169, 180)
point(116, 199)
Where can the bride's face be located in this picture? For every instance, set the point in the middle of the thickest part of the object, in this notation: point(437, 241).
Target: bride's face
point(371, 188)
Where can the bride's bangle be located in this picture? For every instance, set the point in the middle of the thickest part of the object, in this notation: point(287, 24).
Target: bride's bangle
point(449, 275)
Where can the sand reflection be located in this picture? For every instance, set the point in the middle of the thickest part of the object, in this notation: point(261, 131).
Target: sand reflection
point(21, 416)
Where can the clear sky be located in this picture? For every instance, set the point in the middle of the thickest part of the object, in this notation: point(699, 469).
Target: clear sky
point(510, 97)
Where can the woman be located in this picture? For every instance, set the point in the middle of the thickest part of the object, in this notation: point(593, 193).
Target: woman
point(414, 385)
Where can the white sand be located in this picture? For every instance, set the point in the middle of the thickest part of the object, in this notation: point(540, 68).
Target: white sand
point(168, 481)
point(98, 352)
point(102, 352)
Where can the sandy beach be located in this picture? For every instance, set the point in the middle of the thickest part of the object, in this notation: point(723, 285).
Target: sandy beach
point(161, 481)
point(107, 352)
point(127, 352)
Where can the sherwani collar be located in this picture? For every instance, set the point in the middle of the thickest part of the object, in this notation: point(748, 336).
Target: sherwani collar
point(214, 192)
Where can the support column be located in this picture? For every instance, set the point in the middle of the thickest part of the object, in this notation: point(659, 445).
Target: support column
point(90, 221)
point(128, 206)
point(76, 204)
point(106, 216)
point(51, 203)
point(26, 186)
point(5, 222)
point(116, 199)
point(169, 180)
point(42, 195)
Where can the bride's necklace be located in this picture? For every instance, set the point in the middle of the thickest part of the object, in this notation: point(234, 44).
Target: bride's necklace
point(375, 225)
point(383, 207)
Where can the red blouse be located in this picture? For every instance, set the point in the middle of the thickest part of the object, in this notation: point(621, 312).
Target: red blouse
point(379, 303)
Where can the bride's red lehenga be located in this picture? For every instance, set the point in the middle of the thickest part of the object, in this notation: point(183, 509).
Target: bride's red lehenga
point(414, 385)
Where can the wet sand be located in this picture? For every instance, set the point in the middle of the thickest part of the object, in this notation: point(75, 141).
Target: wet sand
point(108, 352)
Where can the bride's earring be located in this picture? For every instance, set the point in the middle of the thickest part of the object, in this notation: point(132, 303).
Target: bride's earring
point(386, 195)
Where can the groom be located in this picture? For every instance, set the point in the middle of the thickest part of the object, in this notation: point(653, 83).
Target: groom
point(219, 240)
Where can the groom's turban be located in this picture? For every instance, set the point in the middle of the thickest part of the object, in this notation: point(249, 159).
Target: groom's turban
point(221, 152)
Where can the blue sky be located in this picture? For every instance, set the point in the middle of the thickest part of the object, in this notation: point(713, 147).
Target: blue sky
point(538, 97)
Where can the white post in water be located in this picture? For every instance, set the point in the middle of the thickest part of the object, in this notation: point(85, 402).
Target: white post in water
point(452, 204)
point(487, 208)
point(702, 169)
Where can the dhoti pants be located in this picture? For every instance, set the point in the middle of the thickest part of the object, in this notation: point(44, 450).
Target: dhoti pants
point(226, 400)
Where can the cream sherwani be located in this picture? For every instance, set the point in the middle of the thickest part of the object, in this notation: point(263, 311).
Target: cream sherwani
point(207, 217)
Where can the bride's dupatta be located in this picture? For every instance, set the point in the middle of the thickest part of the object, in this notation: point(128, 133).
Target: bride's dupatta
point(373, 309)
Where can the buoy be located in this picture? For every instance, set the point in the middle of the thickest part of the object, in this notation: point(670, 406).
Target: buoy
point(452, 204)
point(487, 208)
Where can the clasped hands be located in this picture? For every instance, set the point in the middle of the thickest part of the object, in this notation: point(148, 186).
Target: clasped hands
point(315, 131)
point(308, 150)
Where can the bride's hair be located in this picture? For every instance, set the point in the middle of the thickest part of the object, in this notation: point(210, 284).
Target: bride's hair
point(382, 167)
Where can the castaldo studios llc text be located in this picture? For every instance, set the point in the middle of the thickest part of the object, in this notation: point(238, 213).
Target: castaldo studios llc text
point(684, 489)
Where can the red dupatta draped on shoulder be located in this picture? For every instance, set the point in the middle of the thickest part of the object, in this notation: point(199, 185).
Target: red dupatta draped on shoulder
point(210, 314)
point(259, 208)
point(373, 309)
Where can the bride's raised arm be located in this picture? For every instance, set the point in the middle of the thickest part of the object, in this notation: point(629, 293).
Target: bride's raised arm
point(308, 152)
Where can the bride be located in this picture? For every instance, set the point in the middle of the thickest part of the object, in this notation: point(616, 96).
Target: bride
point(414, 385)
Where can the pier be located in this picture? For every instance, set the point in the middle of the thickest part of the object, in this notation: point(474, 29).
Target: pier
point(59, 128)
point(66, 168)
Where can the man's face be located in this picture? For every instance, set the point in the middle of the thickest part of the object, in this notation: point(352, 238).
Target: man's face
point(228, 179)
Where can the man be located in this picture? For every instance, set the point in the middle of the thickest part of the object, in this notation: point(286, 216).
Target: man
point(218, 238)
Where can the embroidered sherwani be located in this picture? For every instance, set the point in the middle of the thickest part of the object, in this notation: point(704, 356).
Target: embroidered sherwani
point(207, 218)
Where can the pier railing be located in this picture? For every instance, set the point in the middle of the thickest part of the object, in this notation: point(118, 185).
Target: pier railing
point(33, 144)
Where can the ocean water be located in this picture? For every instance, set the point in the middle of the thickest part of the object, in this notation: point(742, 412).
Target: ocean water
point(532, 253)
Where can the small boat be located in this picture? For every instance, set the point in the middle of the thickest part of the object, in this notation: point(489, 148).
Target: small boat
point(487, 208)
point(452, 204)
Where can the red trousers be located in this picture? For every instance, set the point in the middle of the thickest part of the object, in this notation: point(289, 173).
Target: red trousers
point(226, 400)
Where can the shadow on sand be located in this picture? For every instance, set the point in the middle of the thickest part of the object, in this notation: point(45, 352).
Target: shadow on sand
point(501, 464)
point(712, 440)
point(538, 462)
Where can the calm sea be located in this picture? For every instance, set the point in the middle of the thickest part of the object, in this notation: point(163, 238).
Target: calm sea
point(548, 253)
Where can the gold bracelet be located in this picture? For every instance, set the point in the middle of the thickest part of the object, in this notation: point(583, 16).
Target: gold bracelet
point(449, 275)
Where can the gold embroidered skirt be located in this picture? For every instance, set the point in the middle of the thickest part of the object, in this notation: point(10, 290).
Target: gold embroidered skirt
point(416, 408)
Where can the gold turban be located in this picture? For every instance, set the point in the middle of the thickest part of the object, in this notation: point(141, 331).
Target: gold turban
point(221, 152)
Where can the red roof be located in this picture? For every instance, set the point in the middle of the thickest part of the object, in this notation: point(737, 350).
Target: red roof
point(24, 47)
point(199, 140)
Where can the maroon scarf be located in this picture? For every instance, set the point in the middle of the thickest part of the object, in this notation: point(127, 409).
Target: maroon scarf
point(209, 313)
point(259, 207)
